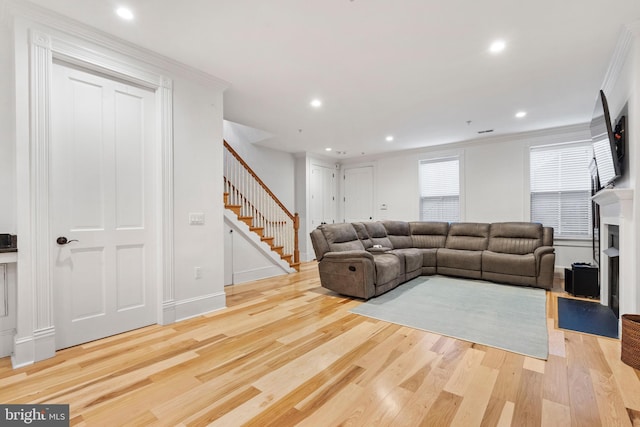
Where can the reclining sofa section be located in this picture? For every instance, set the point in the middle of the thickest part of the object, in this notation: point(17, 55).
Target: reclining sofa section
point(366, 259)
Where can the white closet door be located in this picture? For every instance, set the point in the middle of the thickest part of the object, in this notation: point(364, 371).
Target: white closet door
point(102, 202)
point(358, 194)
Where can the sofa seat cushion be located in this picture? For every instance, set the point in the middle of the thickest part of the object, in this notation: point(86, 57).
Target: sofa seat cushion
point(513, 264)
point(412, 258)
point(388, 268)
point(429, 257)
point(459, 259)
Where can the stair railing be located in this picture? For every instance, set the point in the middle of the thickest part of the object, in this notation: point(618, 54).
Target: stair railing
point(256, 200)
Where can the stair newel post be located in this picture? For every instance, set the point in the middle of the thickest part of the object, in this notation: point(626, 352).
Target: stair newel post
point(296, 247)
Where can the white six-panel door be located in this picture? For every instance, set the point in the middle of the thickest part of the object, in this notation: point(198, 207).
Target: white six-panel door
point(102, 201)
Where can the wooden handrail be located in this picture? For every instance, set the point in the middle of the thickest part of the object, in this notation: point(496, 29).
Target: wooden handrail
point(258, 180)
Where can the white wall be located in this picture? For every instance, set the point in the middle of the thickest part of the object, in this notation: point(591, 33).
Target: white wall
point(495, 181)
point(198, 187)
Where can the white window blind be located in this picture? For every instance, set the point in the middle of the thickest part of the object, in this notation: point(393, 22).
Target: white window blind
point(440, 190)
point(561, 188)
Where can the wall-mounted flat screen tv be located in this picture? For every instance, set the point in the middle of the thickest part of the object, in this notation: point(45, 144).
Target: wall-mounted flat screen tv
point(607, 145)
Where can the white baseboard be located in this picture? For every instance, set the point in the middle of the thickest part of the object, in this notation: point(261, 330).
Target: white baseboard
point(23, 352)
point(256, 274)
point(193, 307)
point(168, 315)
point(39, 346)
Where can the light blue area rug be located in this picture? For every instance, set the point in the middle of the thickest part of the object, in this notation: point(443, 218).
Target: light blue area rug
point(512, 318)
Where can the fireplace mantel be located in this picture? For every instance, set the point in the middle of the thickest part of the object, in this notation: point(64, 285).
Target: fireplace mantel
point(615, 202)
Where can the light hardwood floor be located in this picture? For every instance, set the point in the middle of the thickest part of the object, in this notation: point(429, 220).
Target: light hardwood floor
point(288, 352)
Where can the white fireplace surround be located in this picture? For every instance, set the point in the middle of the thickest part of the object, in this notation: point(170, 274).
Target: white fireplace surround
point(616, 208)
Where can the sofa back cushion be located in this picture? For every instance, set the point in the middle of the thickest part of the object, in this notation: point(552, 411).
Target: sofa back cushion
point(398, 233)
point(428, 235)
point(363, 234)
point(517, 238)
point(470, 236)
point(341, 237)
point(378, 234)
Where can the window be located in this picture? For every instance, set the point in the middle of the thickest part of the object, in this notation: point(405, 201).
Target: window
point(440, 190)
point(561, 188)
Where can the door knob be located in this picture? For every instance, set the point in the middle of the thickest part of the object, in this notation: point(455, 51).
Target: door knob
point(63, 240)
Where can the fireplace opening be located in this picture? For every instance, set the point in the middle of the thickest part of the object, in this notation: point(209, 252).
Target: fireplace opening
point(614, 268)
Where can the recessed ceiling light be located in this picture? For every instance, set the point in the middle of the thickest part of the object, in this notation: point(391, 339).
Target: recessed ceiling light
point(316, 103)
point(497, 46)
point(327, 149)
point(521, 114)
point(124, 13)
point(389, 138)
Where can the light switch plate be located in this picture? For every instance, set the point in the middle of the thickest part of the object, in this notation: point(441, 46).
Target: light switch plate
point(196, 218)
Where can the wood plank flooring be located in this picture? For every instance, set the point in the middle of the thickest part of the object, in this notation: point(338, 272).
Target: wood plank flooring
point(288, 352)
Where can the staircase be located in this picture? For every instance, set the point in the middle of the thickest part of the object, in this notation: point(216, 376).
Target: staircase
point(269, 240)
point(256, 205)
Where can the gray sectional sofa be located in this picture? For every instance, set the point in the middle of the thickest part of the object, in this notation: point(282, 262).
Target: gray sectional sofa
point(366, 259)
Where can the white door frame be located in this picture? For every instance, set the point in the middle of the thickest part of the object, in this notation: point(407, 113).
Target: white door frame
point(35, 332)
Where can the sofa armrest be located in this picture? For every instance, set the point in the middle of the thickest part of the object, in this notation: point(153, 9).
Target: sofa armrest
point(543, 250)
point(380, 250)
point(347, 254)
point(350, 273)
point(545, 262)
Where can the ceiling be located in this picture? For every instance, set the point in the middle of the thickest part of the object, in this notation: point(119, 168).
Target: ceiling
point(419, 70)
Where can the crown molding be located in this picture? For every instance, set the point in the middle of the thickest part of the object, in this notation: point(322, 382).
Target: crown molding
point(12, 9)
point(562, 134)
point(626, 38)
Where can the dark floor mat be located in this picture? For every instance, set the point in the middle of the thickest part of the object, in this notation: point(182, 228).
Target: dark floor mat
point(588, 317)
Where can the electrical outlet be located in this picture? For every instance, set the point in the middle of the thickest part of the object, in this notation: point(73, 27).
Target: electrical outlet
point(197, 272)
